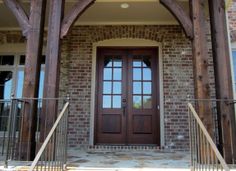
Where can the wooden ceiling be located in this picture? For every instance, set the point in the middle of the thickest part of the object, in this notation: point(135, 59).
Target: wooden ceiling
point(107, 12)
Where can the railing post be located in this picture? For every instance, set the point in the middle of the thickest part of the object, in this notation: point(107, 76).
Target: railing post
point(66, 133)
point(206, 149)
point(9, 131)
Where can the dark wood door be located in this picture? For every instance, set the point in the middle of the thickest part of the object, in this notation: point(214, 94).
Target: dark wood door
point(127, 109)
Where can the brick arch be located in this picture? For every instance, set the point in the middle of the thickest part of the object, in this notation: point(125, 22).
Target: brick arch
point(155, 33)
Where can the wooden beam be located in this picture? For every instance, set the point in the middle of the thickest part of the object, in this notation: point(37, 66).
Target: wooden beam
point(179, 13)
point(233, 36)
point(20, 15)
point(31, 77)
point(200, 62)
point(73, 14)
point(52, 66)
point(223, 81)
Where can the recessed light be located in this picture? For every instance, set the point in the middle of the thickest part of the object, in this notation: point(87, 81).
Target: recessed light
point(124, 5)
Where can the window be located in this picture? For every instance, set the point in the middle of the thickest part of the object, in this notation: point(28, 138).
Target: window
point(11, 82)
point(12, 76)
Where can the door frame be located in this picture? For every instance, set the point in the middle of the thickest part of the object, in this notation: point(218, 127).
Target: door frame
point(124, 43)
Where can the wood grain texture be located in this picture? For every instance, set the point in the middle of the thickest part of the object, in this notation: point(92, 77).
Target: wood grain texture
point(223, 77)
point(73, 14)
point(32, 73)
point(20, 15)
point(200, 63)
point(179, 13)
point(52, 66)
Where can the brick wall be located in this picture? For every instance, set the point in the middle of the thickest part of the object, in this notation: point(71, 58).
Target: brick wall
point(76, 67)
point(177, 74)
point(232, 18)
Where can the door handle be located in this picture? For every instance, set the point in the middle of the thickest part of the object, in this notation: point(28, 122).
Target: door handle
point(124, 110)
point(124, 106)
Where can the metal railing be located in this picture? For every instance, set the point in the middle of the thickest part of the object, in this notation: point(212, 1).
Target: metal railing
point(204, 152)
point(53, 152)
point(5, 106)
point(17, 141)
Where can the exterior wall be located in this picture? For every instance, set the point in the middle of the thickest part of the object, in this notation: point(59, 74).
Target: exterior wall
point(177, 77)
point(231, 9)
point(232, 15)
point(76, 74)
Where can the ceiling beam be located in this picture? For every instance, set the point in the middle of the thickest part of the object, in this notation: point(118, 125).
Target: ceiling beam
point(179, 13)
point(72, 1)
point(73, 14)
point(20, 14)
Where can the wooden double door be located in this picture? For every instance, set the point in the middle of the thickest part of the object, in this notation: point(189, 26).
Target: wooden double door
point(127, 104)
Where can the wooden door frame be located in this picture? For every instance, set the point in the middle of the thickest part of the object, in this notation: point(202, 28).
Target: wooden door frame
point(124, 43)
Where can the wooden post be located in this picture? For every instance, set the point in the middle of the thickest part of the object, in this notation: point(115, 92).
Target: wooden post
point(57, 29)
point(181, 16)
point(200, 62)
point(32, 28)
point(31, 78)
point(223, 78)
point(51, 82)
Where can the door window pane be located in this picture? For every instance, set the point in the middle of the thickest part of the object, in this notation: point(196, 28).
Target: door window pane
point(147, 102)
point(5, 84)
point(107, 87)
point(137, 102)
point(41, 81)
point(116, 87)
point(147, 75)
point(20, 82)
point(7, 60)
point(117, 74)
point(116, 103)
point(117, 63)
point(107, 74)
point(43, 59)
point(106, 102)
point(137, 63)
point(108, 62)
point(137, 88)
point(137, 74)
point(147, 88)
point(22, 60)
point(146, 62)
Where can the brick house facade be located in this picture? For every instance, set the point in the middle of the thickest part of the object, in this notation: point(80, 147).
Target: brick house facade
point(177, 72)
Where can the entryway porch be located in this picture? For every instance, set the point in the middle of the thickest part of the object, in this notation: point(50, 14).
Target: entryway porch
point(125, 159)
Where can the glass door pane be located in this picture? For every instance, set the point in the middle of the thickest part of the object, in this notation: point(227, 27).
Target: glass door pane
point(5, 84)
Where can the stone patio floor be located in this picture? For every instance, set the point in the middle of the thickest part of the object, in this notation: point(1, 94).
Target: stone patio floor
point(121, 160)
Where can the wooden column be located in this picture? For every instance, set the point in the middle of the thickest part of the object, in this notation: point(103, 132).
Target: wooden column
point(223, 78)
point(181, 16)
point(31, 77)
point(57, 29)
point(200, 63)
point(51, 82)
point(32, 28)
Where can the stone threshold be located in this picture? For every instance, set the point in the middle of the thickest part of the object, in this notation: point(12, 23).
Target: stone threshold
point(124, 147)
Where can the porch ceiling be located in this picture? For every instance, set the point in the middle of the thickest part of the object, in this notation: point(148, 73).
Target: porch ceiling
point(108, 12)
